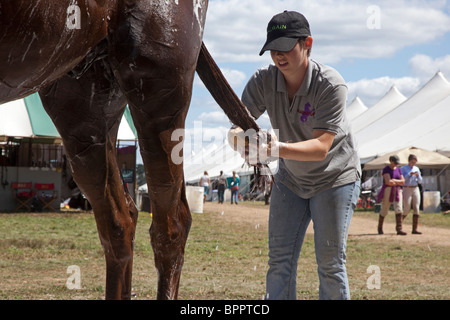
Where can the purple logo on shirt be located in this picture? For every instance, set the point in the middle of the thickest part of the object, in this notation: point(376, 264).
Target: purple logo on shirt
point(306, 113)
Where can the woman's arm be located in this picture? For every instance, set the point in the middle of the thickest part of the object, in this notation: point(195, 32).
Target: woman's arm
point(393, 182)
point(315, 149)
point(400, 181)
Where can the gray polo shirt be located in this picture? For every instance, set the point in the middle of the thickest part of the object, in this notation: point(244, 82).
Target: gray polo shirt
point(320, 103)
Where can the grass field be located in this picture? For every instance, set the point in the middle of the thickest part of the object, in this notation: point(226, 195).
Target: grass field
point(225, 259)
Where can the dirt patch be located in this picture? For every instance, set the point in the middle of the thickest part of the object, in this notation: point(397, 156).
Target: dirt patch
point(360, 227)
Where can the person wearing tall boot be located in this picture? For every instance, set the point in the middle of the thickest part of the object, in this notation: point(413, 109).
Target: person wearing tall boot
point(411, 193)
point(391, 193)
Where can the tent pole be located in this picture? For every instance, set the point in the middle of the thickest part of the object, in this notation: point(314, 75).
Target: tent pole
point(437, 177)
point(440, 172)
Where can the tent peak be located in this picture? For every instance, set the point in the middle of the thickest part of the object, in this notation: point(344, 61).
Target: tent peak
point(395, 93)
point(358, 100)
point(396, 90)
point(441, 76)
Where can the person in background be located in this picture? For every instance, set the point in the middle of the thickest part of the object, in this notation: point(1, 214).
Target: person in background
point(391, 193)
point(205, 182)
point(234, 186)
point(411, 193)
point(223, 184)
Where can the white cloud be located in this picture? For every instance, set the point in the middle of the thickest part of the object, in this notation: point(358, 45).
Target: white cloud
point(425, 67)
point(235, 78)
point(214, 119)
point(370, 91)
point(235, 29)
point(422, 67)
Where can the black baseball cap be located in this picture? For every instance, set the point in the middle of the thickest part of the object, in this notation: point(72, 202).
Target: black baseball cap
point(284, 30)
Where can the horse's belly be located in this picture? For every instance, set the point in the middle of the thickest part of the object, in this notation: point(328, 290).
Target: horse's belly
point(41, 41)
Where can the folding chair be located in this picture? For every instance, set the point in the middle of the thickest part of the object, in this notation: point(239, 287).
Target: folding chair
point(23, 193)
point(46, 194)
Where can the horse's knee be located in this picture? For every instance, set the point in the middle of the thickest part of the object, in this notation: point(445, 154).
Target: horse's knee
point(171, 218)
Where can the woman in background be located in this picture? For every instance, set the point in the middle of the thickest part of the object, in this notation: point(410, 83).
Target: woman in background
point(205, 182)
point(234, 186)
point(391, 193)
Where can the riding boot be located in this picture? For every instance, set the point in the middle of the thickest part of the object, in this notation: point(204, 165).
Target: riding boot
point(380, 224)
point(398, 226)
point(415, 224)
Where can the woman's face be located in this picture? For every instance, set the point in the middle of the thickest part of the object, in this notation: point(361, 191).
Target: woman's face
point(292, 61)
point(393, 164)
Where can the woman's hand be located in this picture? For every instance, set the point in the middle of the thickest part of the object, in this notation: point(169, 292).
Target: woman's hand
point(259, 147)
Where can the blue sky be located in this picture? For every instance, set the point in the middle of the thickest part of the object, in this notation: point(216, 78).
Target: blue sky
point(373, 44)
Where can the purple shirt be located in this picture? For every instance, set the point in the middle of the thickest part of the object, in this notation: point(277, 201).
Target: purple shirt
point(394, 174)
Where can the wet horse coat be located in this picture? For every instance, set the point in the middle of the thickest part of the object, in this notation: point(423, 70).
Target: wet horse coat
point(88, 59)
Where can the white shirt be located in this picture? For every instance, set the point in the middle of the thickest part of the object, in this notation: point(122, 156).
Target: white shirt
point(204, 181)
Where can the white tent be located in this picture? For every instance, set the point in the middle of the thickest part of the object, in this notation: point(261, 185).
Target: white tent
point(419, 116)
point(426, 159)
point(437, 138)
point(127, 131)
point(27, 118)
point(390, 101)
point(428, 130)
point(355, 108)
point(214, 159)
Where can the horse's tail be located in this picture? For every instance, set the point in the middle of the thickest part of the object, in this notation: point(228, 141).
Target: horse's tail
point(226, 98)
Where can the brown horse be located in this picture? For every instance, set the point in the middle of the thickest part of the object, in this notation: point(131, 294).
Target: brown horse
point(88, 59)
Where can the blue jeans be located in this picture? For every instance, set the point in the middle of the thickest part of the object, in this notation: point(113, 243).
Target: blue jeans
point(220, 192)
point(331, 212)
point(234, 195)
